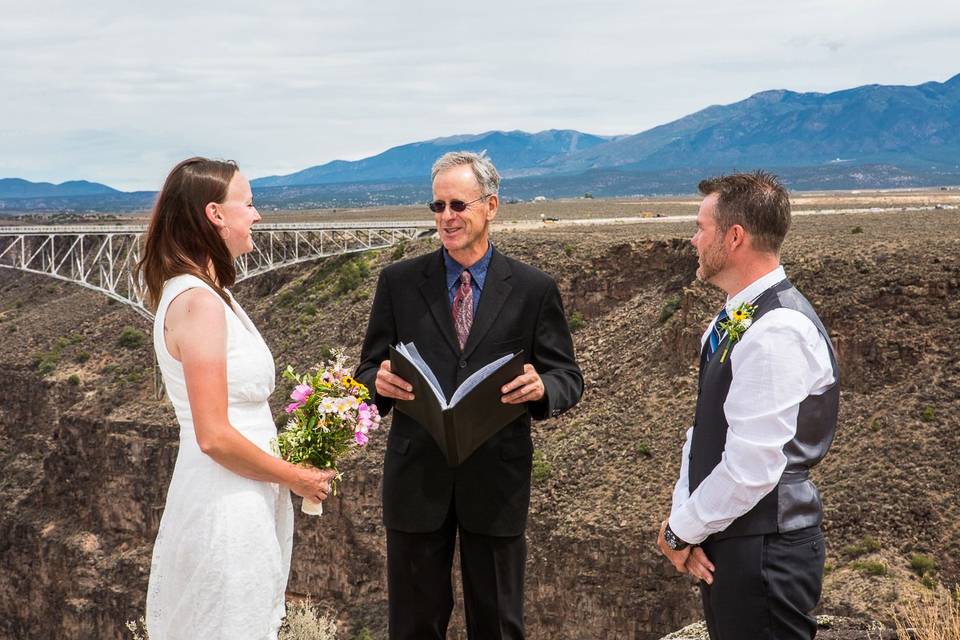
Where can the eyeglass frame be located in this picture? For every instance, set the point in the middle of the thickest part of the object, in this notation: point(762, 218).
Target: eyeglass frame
point(450, 204)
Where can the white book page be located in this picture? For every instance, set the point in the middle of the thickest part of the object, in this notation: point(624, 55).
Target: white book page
point(478, 376)
point(409, 351)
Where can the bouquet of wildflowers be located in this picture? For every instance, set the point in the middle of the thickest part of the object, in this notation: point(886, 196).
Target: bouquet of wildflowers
point(329, 418)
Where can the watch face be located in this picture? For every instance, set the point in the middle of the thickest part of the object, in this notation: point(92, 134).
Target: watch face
point(673, 541)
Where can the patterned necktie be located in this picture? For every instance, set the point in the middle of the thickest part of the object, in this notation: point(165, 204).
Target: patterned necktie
point(463, 309)
point(716, 334)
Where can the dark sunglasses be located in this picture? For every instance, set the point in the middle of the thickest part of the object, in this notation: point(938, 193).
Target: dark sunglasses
point(457, 206)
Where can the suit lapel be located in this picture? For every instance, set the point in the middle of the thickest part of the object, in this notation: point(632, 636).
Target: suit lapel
point(434, 292)
point(496, 290)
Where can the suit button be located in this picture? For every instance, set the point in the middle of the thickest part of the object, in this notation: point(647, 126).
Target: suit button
point(463, 364)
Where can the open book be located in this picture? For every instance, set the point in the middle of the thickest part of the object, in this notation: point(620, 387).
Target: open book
point(474, 412)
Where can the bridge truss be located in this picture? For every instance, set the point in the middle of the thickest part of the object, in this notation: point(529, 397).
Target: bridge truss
point(102, 258)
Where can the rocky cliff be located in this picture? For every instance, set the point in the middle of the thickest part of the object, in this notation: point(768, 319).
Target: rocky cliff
point(86, 450)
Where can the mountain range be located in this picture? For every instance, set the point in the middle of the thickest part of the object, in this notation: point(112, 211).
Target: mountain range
point(870, 136)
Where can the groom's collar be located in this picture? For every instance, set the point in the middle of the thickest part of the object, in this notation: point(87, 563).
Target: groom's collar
point(753, 290)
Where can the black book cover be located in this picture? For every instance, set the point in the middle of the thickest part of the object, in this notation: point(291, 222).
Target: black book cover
point(476, 416)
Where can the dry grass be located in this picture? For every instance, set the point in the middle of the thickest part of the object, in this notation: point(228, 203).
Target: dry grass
point(303, 622)
point(932, 618)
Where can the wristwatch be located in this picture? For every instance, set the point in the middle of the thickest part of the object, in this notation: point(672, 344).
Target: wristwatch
point(672, 540)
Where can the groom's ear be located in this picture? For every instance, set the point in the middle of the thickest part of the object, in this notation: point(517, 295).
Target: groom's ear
point(736, 236)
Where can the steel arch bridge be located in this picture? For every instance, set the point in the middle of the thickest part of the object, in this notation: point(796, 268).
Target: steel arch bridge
point(102, 258)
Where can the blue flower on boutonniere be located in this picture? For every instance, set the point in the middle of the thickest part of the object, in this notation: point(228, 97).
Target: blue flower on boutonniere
point(735, 326)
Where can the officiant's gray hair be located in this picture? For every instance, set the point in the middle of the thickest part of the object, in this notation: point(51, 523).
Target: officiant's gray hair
point(487, 176)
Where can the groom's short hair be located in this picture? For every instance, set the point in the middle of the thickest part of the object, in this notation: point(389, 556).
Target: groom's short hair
point(756, 201)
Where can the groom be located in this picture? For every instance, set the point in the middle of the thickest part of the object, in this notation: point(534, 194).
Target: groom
point(746, 517)
point(463, 306)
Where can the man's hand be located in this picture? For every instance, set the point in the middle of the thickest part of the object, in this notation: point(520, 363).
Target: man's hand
point(527, 387)
point(390, 385)
point(677, 558)
point(699, 566)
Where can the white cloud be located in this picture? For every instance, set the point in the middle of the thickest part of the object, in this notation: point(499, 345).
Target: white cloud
point(115, 93)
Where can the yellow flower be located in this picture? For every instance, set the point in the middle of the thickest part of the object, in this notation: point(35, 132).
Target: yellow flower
point(739, 315)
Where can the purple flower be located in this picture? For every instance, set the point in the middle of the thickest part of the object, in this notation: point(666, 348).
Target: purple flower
point(301, 392)
point(361, 438)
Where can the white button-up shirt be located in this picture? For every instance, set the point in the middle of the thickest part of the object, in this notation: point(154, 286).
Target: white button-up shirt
point(780, 360)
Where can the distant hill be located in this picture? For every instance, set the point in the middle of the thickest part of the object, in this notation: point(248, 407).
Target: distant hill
point(874, 136)
point(907, 126)
point(18, 188)
point(514, 152)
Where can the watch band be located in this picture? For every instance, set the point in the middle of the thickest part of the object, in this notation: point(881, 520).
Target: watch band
point(673, 541)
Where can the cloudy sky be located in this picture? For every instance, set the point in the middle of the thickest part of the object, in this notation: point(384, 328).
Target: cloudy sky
point(117, 91)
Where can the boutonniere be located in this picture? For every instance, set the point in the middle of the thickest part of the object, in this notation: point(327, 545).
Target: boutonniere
point(734, 326)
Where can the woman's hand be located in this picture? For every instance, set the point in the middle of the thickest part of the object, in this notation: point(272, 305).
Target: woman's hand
point(311, 483)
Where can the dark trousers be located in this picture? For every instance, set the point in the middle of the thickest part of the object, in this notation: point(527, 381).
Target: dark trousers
point(764, 587)
point(421, 590)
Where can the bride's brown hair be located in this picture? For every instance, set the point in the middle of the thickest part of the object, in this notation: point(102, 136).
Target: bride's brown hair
point(180, 238)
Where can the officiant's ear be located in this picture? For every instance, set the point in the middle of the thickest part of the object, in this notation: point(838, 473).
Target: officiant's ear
point(493, 203)
point(212, 210)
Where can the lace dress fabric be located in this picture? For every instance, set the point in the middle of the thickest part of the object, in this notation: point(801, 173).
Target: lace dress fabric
point(222, 554)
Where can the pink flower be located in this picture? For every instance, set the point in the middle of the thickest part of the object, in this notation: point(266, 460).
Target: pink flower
point(301, 392)
point(361, 438)
point(293, 406)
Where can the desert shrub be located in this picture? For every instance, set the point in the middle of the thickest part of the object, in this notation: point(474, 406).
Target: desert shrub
point(869, 544)
point(576, 321)
point(644, 449)
point(351, 275)
point(857, 229)
point(399, 250)
point(46, 362)
point(568, 249)
point(304, 622)
point(871, 567)
point(936, 617)
point(363, 634)
point(73, 380)
point(928, 414)
point(131, 338)
point(138, 629)
point(542, 469)
point(81, 356)
point(669, 308)
point(921, 564)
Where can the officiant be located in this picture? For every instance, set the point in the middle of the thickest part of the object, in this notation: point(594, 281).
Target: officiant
point(463, 306)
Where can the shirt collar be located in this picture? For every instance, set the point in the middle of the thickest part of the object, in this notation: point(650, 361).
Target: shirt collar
point(753, 290)
point(478, 272)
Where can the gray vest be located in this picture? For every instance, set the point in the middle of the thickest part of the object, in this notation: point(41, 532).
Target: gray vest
point(794, 503)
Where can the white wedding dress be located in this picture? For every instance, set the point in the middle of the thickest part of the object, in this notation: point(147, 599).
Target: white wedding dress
point(222, 555)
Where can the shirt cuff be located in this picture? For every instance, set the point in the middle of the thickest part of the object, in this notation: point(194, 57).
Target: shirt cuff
point(686, 527)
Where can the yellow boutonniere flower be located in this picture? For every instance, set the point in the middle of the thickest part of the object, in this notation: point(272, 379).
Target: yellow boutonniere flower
point(740, 320)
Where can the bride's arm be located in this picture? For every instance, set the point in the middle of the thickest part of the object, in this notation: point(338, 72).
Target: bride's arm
point(196, 334)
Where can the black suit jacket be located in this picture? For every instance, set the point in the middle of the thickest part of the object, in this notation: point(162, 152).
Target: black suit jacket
point(520, 308)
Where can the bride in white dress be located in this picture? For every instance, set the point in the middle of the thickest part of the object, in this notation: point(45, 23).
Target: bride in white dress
point(222, 555)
